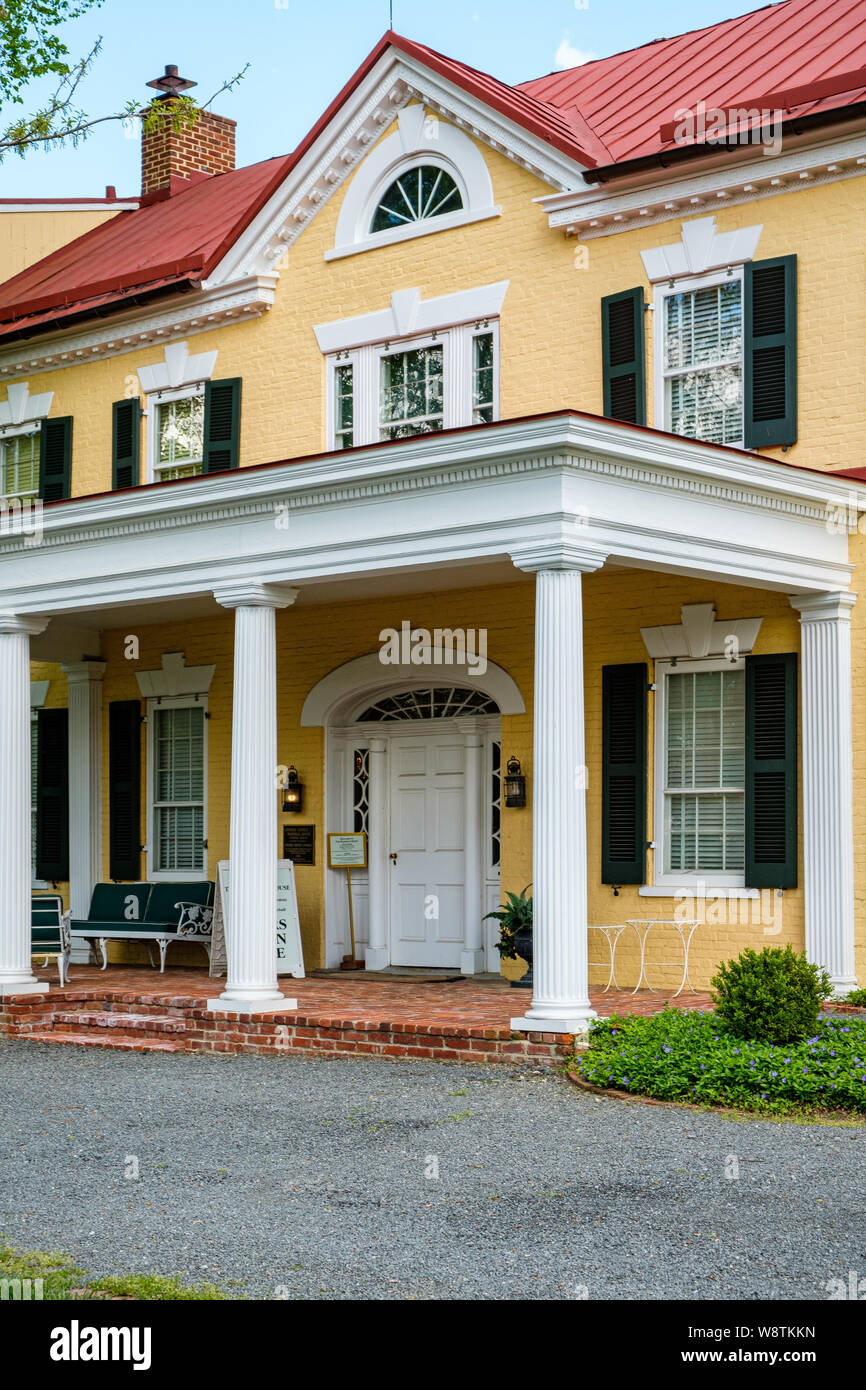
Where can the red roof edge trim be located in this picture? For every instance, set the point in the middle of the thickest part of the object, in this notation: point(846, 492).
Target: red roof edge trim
point(168, 270)
point(784, 100)
point(490, 97)
point(62, 317)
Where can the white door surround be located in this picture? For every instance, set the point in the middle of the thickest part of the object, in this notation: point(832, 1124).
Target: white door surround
point(422, 788)
point(336, 702)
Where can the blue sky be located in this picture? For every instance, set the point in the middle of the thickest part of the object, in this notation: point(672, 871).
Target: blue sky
point(302, 51)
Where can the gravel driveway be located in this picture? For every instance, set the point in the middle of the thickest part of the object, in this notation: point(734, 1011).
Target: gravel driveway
point(355, 1178)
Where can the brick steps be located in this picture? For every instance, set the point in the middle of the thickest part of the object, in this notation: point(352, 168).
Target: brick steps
point(104, 1039)
point(104, 1017)
point(118, 1024)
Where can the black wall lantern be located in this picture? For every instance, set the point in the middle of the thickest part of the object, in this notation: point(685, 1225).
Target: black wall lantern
point(515, 784)
point(293, 791)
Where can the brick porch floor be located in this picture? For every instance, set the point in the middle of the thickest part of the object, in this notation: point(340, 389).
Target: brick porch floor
point(466, 1020)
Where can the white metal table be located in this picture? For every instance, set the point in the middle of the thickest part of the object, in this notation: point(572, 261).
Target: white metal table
point(686, 931)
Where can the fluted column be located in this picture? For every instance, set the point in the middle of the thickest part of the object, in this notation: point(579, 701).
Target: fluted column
point(16, 867)
point(84, 681)
point(378, 952)
point(828, 797)
point(251, 925)
point(560, 999)
point(472, 955)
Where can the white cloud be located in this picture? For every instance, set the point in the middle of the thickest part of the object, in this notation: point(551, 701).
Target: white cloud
point(567, 56)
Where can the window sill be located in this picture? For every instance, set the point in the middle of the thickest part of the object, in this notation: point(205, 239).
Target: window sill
point(697, 888)
point(424, 228)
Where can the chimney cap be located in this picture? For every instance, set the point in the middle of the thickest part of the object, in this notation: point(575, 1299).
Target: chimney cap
point(170, 83)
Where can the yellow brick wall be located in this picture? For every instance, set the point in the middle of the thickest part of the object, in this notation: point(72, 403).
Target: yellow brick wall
point(25, 237)
point(312, 640)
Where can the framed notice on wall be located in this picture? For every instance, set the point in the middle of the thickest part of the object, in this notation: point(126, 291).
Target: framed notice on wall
point(290, 955)
point(347, 851)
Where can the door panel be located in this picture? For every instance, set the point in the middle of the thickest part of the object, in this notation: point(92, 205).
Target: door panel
point(427, 836)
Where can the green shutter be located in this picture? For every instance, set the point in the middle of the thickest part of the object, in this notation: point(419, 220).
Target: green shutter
point(55, 459)
point(770, 352)
point(125, 441)
point(771, 771)
point(222, 424)
point(623, 770)
point(124, 789)
point(622, 355)
point(52, 795)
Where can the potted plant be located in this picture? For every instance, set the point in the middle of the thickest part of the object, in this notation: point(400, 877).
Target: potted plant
point(515, 932)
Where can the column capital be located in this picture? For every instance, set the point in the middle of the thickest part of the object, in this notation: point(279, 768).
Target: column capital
point(835, 605)
point(557, 555)
point(252, 593)
point(82, 672)
point(22, 624)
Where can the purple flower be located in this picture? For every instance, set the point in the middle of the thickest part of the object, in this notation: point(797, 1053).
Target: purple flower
point(666, 1049)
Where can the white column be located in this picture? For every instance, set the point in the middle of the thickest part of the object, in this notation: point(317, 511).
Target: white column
point(828, 795)
point(16, 859)
point(378, 952)
point(472, 955)
point(560, 999)
point(84, 680)
point(251, 928)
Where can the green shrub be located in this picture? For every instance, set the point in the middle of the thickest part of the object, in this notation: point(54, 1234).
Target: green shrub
point(690, 1056)
point(770, 995)
point(858, 997)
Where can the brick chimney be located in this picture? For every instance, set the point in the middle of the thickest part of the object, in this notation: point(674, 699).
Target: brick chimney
point(171, 160)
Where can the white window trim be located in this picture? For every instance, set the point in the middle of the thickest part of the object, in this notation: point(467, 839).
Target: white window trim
point(682, 882)
point(11, 432)
point(685, 284)
point(419, 139)
point(154, 474)
point(457, 371)
point(155, 875)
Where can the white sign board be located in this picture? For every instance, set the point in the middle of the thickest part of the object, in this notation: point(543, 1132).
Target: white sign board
point(290, 954)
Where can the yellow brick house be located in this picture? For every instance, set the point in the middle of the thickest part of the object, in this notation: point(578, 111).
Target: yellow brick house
point(493, 425)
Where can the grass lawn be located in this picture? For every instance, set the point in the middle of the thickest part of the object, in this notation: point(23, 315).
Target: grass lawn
point(688, 1056)
point(62, 1279)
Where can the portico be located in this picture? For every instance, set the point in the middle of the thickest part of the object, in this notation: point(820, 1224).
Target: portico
point(564, 499)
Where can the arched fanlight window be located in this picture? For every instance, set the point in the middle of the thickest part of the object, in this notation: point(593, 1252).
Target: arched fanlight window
point(444, 702)
point(419, 193)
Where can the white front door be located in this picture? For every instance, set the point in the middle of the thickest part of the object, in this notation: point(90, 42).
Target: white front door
point(426, 864)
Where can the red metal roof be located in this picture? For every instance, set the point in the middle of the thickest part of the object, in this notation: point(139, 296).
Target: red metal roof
point(800, 55)
point(627, 98)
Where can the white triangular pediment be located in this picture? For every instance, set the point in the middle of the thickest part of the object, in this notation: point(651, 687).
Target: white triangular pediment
point(397, 89)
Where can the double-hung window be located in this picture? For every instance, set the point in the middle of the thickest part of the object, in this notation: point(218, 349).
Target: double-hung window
point(699, 346)
point(178, 783)
point(19, 464)
point(177, 435)
point(700, 758)
point(395, 390)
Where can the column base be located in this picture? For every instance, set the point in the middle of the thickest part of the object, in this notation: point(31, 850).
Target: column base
point(472, 962)
point(842, 985)
point(31, 986)
point(376, 957)
point(265, 1004)
point(576, 1023)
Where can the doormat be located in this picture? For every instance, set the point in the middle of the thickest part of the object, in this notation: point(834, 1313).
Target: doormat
point(393, 975)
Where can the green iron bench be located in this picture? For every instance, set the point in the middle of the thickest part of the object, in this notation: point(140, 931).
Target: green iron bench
point(49, 931)
point(160, 912)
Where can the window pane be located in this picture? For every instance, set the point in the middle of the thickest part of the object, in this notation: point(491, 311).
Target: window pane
point(19, 457)
point(344, 406)
point(703, 345)
point(423, 192)
point(180, 426)
point(410, 393)
point(482, 379)
point(179, 787)
point(705, 732)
